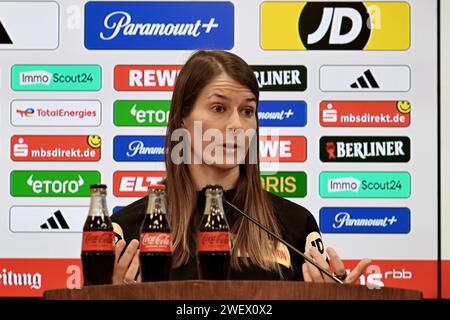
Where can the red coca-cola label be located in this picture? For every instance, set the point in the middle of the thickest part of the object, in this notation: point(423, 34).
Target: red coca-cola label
point(214, 241)
point(155, 242)
point(98, 241)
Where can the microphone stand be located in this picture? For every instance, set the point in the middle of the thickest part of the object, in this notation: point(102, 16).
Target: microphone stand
point(310, 260)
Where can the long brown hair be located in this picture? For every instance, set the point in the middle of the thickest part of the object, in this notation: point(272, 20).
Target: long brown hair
point(249, 240)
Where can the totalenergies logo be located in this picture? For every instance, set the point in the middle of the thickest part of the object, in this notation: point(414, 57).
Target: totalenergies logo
point(28, 112)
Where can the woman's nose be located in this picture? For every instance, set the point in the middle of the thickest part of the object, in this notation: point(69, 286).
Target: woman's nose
point(234, 121)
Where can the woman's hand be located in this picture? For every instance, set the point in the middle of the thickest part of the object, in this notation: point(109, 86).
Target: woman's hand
point(312, 274)
point(126, 267)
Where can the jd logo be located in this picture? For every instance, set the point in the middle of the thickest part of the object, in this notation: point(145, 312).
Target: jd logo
point(334, 26)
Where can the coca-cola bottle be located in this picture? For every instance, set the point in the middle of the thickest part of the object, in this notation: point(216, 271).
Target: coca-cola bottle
point(155, 248)
point(214, 244)
point(97, 252)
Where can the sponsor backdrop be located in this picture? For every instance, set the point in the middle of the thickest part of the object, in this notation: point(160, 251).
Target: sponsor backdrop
point(348, 115)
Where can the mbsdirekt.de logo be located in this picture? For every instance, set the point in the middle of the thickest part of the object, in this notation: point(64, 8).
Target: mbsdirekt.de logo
point(365, 220)
point(56, 77)
point(159, 25)
point(282, 113)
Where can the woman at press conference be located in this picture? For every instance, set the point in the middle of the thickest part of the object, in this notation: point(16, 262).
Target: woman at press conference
point(219, 90)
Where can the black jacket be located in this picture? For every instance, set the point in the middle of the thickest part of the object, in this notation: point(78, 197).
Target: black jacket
point(298, 227)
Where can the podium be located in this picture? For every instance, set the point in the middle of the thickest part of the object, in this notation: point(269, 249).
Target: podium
point(232, 290)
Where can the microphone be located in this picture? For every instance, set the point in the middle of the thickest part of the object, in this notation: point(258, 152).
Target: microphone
point(310, 260)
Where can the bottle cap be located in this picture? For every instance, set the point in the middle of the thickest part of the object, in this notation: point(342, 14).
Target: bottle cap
point(98, 186)
point(158, 186)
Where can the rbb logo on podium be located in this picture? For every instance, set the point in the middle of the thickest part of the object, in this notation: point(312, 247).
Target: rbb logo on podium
point(282, 148)
point(407, 274)
point(135, 183)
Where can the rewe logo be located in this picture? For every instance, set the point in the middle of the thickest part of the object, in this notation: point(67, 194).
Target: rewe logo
point(282, 148)
point(145, 78)
point(341, 25)
point(135, 183)
point(55, 186)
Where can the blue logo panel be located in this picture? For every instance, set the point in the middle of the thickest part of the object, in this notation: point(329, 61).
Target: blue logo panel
point(282, 113)
point(365, 220)
point(159, 25)
point(139, 148)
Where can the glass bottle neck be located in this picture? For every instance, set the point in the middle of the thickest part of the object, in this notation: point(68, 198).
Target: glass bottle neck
point(98, 205)
point(156, 204)
point(214, 205)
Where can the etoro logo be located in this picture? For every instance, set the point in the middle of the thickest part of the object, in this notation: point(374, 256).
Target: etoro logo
point(135, 183)
point(145, 78)
point(52, 183)
point(364, 149)
point(141, 113)
point(335, 25)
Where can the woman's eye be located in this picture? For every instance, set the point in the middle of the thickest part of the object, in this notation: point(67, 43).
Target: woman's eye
point(249, 112)
point(218, 108)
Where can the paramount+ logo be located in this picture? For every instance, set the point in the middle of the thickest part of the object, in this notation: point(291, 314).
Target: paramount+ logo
point(335, 26)
point(364, 149)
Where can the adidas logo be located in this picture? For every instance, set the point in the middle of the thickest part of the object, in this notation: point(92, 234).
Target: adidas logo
point(51, 222)
point(367, 80)
point(4, 37)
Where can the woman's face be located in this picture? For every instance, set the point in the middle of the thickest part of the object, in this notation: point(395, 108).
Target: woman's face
point(221, 123)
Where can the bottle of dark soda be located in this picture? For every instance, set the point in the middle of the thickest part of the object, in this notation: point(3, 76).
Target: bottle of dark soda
point(214, 243)
point(97, 252)
point(155, 248)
